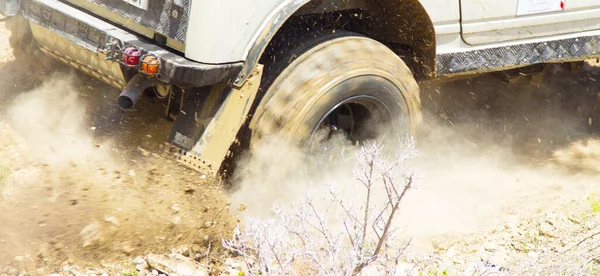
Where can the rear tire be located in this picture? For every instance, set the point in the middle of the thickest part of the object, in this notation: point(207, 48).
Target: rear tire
point(344, 73)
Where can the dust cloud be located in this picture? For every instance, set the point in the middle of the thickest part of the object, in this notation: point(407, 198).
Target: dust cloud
point(276, 172)
point(83, 183)
point(73, 194)
point(490, 152)
point(48, 159)
point(71, 191)
point(51, 120)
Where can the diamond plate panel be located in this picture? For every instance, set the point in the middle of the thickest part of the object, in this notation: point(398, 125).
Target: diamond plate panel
point(517, 55)
point(167, 17)
point(63, 29)
point(79, 57)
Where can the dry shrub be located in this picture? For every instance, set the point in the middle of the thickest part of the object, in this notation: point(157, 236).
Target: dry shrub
point(343, 231)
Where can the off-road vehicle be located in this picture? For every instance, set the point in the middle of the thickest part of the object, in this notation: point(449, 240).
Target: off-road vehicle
point(239, 70)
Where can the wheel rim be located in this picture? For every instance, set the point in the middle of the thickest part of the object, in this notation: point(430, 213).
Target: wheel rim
point(356, 119)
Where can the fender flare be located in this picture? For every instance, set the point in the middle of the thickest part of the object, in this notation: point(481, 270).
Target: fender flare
point(422, 33)
point(268, 29)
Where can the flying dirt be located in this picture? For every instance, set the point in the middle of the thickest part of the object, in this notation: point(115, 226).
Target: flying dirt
point(487, 146)
point(505, 172)
point(75, 189)
point(86, 184)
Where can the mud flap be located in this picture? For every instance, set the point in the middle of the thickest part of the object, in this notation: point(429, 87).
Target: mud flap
point(209, 122)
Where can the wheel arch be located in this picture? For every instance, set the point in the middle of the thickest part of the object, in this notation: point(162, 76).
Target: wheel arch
point(413, 38)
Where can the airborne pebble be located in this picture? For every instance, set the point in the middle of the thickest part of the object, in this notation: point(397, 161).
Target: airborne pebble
point(490, 246)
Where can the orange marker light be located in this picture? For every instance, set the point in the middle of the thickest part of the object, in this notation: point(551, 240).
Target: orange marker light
point(150, 65)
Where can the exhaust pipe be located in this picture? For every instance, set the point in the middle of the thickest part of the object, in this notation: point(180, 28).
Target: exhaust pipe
point(134, 90)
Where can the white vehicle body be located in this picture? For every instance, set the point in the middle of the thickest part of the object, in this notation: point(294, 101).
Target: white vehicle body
point(459, 25)
point(464, 31)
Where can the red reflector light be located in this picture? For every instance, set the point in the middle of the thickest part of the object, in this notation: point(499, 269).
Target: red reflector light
point(150, 65)
point(131, 56)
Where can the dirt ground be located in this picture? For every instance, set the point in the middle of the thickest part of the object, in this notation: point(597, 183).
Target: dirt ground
point(83, 183)
point(509, 176)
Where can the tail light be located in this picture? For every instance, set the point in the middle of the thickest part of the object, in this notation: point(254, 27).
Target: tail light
point(150, 65)
point(131, 56)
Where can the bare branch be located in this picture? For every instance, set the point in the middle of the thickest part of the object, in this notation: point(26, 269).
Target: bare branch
point(333, 235)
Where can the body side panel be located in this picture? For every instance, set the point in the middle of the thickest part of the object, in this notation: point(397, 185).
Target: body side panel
point(221, 31)
point(490, 21)
point(227, 30)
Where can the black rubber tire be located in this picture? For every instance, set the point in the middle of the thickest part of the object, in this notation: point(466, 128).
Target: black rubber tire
point(325, 71)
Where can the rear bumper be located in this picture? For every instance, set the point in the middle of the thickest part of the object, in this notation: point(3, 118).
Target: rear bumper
point(93, 44)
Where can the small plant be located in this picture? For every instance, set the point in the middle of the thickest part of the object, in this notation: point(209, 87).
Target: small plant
point(334, 235)
point(594, 200)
